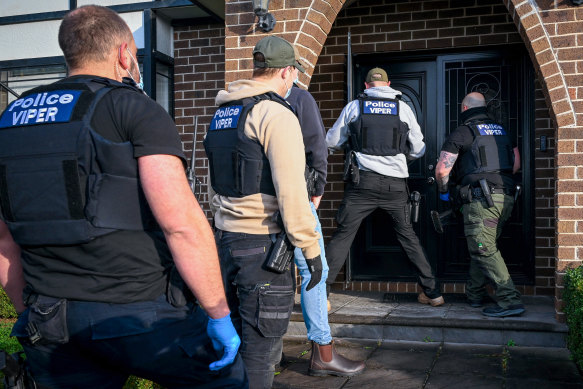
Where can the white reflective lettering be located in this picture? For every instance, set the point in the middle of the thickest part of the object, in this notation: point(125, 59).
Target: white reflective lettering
point(52, 99)
point(16, 116)
point(66, 98)
point(36, 100)
point(27, 102)
point(16, 104)
point(51, 113)
point(30, 114)
point(41, 113)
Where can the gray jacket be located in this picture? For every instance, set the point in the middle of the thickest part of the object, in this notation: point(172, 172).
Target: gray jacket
point(395, 166)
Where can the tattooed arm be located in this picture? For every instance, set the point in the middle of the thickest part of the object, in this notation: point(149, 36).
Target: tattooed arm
point(444, 166)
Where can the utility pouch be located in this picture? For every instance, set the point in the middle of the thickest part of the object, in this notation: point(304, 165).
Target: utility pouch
point(177, 292)
point(275, 308)
point(47, 321)
point(465, 194)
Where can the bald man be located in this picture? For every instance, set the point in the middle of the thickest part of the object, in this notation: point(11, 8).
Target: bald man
point(482, 155)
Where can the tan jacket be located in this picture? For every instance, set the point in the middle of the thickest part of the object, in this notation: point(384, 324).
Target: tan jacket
point(277, 129)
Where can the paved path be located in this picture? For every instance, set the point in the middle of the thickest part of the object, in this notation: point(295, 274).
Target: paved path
point(435, 365)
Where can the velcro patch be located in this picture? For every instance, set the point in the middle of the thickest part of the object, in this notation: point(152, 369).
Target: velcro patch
point(41, 108)
point(226, 117)
point(380, 107)
point(491, 129)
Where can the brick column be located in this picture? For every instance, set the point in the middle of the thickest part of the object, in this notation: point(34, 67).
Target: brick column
point(549, 30)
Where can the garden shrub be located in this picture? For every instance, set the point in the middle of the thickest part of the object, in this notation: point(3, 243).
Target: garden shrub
point(573, 297)
point(6, 308)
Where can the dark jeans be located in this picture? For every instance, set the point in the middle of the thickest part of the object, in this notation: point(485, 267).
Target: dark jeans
point(261, 302)
point(109, 342)
point(391, 195)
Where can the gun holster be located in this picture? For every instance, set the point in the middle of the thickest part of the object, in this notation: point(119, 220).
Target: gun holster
point(311, 176)
point(282, 251)
point(463, 195)
point(351, 173)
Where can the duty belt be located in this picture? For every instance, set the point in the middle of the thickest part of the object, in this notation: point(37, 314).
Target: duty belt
point(477, 192)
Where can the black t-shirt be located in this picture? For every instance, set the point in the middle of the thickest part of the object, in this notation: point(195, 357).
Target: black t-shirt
point(123, 266)
point(460, 142)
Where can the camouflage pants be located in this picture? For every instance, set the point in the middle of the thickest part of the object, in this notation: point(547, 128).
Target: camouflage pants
point(482, 227)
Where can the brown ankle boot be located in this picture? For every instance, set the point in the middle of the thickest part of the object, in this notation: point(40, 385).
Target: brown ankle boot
point(325, 360)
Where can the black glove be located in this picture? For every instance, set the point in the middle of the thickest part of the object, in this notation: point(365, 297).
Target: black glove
point(315, 268)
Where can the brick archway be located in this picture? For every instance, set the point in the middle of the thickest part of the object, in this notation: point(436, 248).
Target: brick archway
point(549, 31)
point(306, 23)
point(528, 19)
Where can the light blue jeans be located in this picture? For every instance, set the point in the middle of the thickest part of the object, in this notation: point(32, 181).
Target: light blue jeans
point(314, 302)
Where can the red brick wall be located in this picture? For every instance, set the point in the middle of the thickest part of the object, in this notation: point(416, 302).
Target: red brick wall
point(423, 25)
point(553, 30)
point(199, 73)
point(549, 30)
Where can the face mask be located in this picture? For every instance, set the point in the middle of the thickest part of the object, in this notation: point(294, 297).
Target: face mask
point(141, 83)
point(288, 92)
point(288, 89)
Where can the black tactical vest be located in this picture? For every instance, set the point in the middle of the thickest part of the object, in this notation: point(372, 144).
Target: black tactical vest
point(238, 166)
point(61, 183)
point(491, 151)
point(379, 129)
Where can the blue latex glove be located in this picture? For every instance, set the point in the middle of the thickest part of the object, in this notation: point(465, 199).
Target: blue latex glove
point(225, 340)
point(444, 196)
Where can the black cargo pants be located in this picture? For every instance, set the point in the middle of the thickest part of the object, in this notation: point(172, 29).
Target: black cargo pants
point(391, 195)
point(261, 302)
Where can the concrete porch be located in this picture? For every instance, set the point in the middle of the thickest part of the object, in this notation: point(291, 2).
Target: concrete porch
point(379, 316)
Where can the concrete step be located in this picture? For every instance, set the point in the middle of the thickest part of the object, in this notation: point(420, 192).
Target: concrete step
point(399, 317)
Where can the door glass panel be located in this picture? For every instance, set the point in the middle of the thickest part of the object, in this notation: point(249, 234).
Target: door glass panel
point(22, 79)
point(163, 87)
point(499, 79)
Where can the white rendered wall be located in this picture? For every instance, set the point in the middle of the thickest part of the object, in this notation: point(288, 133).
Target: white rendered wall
point(40, 39)
point(107, 3)
point(23, 7)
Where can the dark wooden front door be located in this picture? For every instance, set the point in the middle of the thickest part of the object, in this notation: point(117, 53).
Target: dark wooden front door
point(434, 85)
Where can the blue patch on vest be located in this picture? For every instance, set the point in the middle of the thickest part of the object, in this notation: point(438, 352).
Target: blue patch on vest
point(41, 108)
point(226, 117)
point(491, 129)
point(379, 107)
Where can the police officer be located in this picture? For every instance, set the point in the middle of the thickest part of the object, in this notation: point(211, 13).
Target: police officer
point(257, 161)
point(324, 359)
point(483, 158)
point(97, 219)
point(382, 133)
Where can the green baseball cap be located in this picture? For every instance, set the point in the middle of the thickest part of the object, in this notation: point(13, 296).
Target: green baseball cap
point(377, 74)
point(278, 53)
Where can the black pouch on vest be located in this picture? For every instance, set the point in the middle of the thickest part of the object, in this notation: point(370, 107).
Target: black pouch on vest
point(465, 194)
point(47, 321)
point(177, 292)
